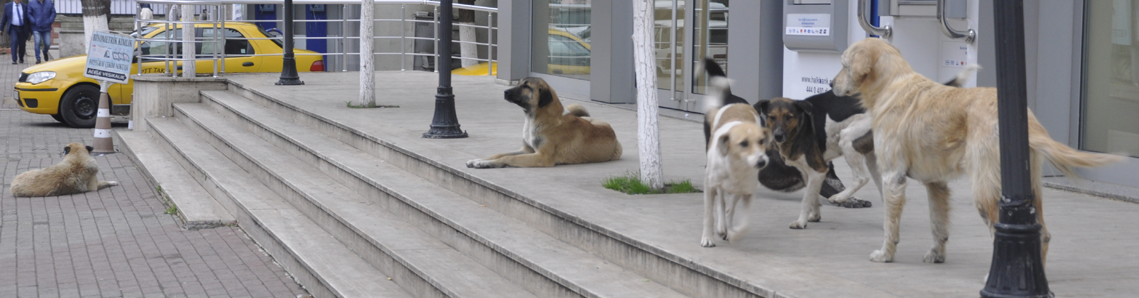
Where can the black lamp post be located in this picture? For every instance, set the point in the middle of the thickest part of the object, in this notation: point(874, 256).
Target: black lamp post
point(289, 74)
point(1017, 269)
point(445, 124)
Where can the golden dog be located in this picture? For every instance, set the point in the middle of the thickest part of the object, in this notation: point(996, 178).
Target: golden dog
point(75, 174)
point(552, 134)
point(932, 133)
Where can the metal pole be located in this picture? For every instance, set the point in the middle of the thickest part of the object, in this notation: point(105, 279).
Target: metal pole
point(436, 16)
point(490, 35)
point(402, 37)
point(445, 124)
point(672, 53)
point(222, 19)
point(289, 74)
point(1017, 268)
point(344, 37)
point(214, 17)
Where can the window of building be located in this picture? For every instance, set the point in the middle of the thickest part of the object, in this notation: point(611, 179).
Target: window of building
point(1109, 117)
point(561, 38)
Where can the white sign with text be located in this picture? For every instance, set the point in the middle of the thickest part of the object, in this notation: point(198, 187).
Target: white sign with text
point(109, 58)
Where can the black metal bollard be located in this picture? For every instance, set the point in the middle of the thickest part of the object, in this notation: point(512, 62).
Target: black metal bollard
point(445, 124)
point(1017, 269)
point(289, 74)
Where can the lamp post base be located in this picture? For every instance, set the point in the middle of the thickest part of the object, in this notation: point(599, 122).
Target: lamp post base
point(445, 124)
point(289, 74)
point(1017, 269)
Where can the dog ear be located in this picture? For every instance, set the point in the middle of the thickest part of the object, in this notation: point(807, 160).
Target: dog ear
point(66, 150)
point(761, 107)
point(861, 67)
point(89, 149)
point(804, 106)
point(544, 97)
point(723, 140)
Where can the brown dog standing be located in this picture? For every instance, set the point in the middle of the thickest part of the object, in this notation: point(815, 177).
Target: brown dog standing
point(75, 174)
point(551, 136)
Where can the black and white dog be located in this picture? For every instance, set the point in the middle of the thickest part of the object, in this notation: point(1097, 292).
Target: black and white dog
point(777, 175)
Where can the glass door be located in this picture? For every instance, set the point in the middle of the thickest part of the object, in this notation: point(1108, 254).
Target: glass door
point(679, 45)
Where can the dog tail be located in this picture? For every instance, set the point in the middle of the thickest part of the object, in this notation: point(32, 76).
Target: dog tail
point(1065, 158)
point(719, 86)
point(577, 110)
point(963, 76)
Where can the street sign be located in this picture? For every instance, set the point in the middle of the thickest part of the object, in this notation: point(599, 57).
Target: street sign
point(109, 58)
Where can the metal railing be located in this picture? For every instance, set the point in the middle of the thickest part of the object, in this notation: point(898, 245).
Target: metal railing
point(217, 39)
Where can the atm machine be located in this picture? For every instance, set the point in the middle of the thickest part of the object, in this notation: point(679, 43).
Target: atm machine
point(937, 37)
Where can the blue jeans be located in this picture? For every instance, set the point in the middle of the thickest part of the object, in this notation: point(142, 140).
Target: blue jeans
point(42, 37)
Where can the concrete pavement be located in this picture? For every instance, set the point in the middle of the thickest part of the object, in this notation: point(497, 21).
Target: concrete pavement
point(1091, 252)
point(116, 242)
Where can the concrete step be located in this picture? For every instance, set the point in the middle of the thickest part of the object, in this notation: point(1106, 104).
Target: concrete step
point(195, 206)
point(618, 239)
point(426, 266)
point(481, 230)
point(320, 262)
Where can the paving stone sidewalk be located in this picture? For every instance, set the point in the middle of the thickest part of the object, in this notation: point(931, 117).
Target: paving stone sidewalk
point(117, 242)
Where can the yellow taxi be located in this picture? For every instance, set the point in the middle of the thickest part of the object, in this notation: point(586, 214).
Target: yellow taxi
point(58, 88)
point(568, 54)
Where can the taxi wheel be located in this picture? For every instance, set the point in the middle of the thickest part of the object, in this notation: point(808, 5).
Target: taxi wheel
point(79, 106)
point(59, 118)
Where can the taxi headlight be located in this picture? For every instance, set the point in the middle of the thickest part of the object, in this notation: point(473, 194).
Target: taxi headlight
point(40, 77)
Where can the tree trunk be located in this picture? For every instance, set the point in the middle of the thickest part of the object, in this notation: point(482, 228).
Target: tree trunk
point(96, 15)
point(367, 63)
point(189, 68)
point(468, 35)
point(648, 132)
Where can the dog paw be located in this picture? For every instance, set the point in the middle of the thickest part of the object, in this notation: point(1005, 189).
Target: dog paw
point(797, 225)
point(933, 256)
point(853, 203)
point(705, 242)
point(879, 256)
point(815, 217)
point(112, 183)
point(479, 164)
point(734, 236)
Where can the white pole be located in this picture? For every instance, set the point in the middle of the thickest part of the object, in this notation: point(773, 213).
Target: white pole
point(367, 65)
point(648, 132)
point(188, 66)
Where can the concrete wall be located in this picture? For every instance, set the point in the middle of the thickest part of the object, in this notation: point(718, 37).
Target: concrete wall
point(71, 32)
point(155, 95)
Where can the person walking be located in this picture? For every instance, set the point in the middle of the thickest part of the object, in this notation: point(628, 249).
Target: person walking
point(41, 13)
point(15, 23)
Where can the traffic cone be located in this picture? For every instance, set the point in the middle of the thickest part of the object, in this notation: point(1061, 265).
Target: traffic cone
point(103, 142)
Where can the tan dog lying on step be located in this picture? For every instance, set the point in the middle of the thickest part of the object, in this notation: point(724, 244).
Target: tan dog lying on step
point(551, 136)
point(75, 174)
point(932, 133)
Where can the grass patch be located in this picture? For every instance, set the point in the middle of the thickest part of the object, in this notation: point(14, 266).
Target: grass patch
point(172, 210)
point(631, 184)
point(373, 105)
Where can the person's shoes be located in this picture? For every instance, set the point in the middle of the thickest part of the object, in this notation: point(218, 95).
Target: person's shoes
point(13, 62)
point(21, 61)
point(37, 61)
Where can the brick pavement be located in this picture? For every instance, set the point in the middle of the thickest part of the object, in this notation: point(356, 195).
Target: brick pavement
point(116, 242)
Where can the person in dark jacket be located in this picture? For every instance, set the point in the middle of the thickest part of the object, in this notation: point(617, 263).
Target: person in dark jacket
point(15, 24)
point(42, 16)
